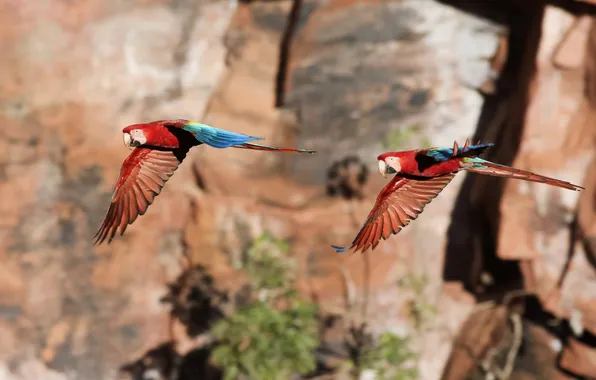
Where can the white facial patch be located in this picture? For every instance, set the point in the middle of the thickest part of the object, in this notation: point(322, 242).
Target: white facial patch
point(394, 163)
point(390, 165)
point(138, 137)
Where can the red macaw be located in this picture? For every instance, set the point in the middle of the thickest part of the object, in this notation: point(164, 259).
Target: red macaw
point(158, 148)
point(420, 175)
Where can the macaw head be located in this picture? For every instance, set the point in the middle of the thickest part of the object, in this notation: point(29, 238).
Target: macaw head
point(161, 133)
point(135, 135)
point(389, 163)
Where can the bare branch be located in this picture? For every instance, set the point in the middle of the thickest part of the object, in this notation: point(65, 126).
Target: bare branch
point(516, 323)
point(349, 289)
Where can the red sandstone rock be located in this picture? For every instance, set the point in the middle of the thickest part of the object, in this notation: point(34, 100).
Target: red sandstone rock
point(364, 76)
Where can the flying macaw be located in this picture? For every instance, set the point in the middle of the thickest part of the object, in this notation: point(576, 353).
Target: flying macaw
point(157, 150)
point(420, 175)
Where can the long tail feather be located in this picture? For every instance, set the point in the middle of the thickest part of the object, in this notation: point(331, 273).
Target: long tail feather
point(478, 165)
point(271, 148)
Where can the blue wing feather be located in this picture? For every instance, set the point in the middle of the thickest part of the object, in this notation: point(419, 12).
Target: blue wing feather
point(217, 138)
point(444, 154)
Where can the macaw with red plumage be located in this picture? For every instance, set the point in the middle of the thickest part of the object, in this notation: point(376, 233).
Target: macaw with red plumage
point(420, 175)
point(158, 148)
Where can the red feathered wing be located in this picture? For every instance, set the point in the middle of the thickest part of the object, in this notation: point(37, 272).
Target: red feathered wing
point(142, 176)
point(400, 202)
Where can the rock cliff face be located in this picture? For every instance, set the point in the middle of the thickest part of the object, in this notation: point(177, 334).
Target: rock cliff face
point(346, 78)
point(73, 74)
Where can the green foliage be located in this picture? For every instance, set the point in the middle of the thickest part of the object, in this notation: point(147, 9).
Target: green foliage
point(398, 140)
point(406, 138)
point(415, 283)
point(267, 263)
point(425, 142)
point(262, 341)
point(422, 311)
point(391, 358)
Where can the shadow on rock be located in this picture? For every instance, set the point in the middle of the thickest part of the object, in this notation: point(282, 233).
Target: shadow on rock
point(197, 304)
point(195, 301)
point(346, 178)
point(561, 328)
point(471, 254)
point(164, 363)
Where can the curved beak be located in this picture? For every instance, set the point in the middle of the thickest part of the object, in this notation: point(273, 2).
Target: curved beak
point(128, 141)
point(385, 169)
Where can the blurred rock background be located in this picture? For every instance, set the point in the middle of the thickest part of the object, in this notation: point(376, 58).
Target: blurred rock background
point(495, 278)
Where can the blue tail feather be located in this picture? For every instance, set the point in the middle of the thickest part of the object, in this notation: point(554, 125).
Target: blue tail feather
point(338, 249)
point(217, 138)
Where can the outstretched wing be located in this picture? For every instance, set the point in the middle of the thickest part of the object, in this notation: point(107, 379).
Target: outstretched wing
point(143, 174)
point(400, 202)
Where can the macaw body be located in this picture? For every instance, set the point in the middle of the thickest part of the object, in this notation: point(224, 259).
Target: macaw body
point(158, 148)
point(420, 175)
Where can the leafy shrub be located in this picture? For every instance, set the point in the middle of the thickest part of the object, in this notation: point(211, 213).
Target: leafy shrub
point(422, 311)
point(267, 263)
point(262, 341)
point(391, 358)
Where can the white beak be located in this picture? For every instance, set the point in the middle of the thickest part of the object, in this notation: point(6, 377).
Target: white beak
point(383, 168)
point(128, 141)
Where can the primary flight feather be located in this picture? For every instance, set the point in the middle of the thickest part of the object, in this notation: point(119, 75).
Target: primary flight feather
point(157, 150)
point(420, 175)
